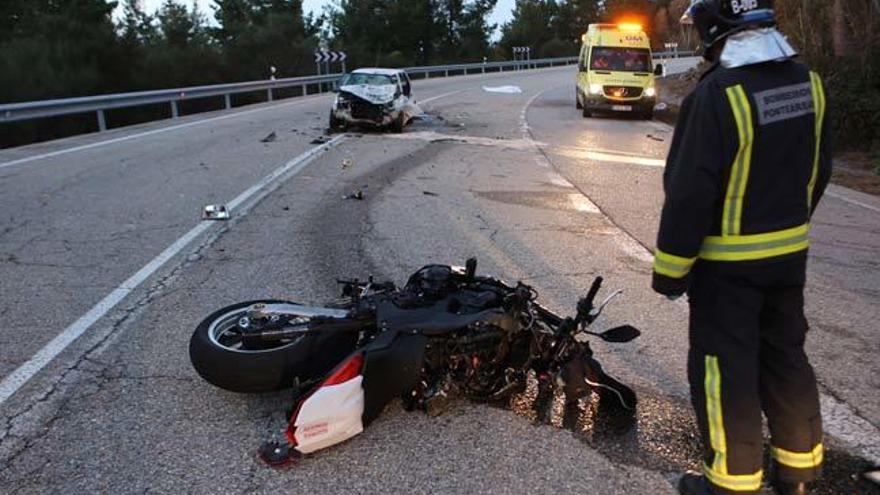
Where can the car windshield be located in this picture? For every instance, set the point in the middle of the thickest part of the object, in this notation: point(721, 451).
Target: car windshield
point(621, 59)
point(367, 79)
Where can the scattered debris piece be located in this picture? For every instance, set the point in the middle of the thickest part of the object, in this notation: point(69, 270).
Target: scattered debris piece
point(661, 107)
point(357, 194)
point(320, 140)
point(285, 208)
point(873, 476)
point(655, 138)
point(270, 138)
point(510, 90)
point(429, 193)
point(215, 212)
point(347, 163)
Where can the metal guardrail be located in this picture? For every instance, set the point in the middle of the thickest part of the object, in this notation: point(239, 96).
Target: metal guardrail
point(17, 112)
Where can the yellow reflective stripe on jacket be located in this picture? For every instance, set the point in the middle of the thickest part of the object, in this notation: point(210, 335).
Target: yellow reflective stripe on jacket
point(739, 172)
point(717, 472)
point(799, 460)
point(819, 107)
point(671, 265)
point(756, 246)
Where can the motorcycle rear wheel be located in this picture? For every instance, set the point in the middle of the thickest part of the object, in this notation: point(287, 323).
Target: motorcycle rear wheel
point(222, 361)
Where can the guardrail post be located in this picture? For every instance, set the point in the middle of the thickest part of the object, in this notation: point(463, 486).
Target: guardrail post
point(446, 73)
point(269, 92)
point(174, 110)
point(228, 100)
point(102, 122)
point(305, 88)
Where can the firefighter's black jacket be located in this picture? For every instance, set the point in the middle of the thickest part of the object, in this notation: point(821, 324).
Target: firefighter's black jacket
point(749, 161)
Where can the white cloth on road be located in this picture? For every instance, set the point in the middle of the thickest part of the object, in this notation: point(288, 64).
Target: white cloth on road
point(503, 89)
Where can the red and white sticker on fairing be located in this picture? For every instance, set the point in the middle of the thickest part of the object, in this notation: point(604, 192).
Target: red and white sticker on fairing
point(333, 413)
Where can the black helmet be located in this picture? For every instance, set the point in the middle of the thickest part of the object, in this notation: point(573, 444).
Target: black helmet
point(718, 19)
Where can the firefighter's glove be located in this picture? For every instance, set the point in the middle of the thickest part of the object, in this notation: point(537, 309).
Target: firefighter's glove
point(672, 288)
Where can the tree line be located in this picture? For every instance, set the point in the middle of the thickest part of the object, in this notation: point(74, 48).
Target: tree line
point(63, 48)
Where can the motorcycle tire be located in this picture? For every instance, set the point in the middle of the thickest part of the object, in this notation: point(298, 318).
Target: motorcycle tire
point(308, 358)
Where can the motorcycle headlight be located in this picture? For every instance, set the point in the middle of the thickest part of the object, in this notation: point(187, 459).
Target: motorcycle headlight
point(650, 92)
point(595, 88)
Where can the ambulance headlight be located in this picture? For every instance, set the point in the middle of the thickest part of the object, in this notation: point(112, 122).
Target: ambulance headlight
point(651, 92)
point(595, 89)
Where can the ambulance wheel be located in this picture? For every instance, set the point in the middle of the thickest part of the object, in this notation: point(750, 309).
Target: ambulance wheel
point(586, 113)
point(577, 101)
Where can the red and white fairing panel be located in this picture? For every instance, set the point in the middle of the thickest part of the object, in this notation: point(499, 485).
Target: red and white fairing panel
point(331, 414)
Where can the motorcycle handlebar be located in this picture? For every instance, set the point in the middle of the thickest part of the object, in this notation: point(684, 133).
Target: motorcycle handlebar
point(594, 289)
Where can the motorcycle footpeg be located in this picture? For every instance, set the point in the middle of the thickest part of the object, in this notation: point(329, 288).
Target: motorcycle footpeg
point(278, 454)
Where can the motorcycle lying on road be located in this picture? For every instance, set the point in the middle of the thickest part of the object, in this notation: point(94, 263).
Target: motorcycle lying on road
point(448, 332)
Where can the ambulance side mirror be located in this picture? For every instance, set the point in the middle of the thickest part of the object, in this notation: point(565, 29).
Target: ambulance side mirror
point(659, 70)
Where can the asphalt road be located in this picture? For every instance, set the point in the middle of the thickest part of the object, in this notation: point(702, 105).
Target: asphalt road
point(521, 181)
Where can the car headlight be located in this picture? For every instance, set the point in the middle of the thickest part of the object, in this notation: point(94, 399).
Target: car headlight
point(595, 89)
point(650, 92)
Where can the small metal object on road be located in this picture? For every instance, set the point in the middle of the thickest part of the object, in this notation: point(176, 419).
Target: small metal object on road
point(429, 193)
point(655, 138)
point(215, 212)
point(268, 139)
point(347, 163)
point(358, 195)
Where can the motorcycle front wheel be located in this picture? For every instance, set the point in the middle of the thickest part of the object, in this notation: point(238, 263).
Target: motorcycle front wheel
point(221, 357)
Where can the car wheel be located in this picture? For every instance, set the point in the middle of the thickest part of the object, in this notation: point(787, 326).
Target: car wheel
point(336, 124)
point(586, 113)
point(398, 124)
point(577, 101)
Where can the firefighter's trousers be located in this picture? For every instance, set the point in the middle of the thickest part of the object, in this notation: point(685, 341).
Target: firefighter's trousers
point(747, 332)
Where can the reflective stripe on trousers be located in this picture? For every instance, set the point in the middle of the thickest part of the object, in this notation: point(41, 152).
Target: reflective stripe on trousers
point(717, 472)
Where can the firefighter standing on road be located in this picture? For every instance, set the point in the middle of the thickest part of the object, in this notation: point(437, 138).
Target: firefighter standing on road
point(749, 162)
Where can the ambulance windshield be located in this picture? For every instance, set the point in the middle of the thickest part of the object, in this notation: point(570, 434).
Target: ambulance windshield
point(620, 59)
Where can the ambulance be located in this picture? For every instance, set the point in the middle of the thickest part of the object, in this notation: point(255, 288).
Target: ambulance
point(614, 71)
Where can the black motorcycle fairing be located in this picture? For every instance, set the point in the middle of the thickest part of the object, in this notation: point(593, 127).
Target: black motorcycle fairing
point(442, 317)
point(392, 367)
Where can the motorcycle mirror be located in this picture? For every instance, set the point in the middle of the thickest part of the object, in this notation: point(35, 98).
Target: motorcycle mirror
point(621, 334)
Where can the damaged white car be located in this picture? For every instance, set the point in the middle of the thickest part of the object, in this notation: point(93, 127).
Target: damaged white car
point(373, 97)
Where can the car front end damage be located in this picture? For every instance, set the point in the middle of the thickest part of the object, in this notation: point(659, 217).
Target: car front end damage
point(372, 106)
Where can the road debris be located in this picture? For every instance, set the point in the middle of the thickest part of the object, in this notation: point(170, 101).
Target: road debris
point(320, 140)
point(215, 212)
point(356, 194)
point(270, 138)
point(655, 138)
point(511, 90)
point(429, 193)
point(347, 163)
point(661, 107)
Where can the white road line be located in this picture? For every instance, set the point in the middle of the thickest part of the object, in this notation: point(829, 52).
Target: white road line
point(151, 133)
point(14, 381)
point(444, 95)
point(600, 156)
point(852, 201)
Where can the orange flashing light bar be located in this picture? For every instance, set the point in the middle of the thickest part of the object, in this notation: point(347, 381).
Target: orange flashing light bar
point(630, 27)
